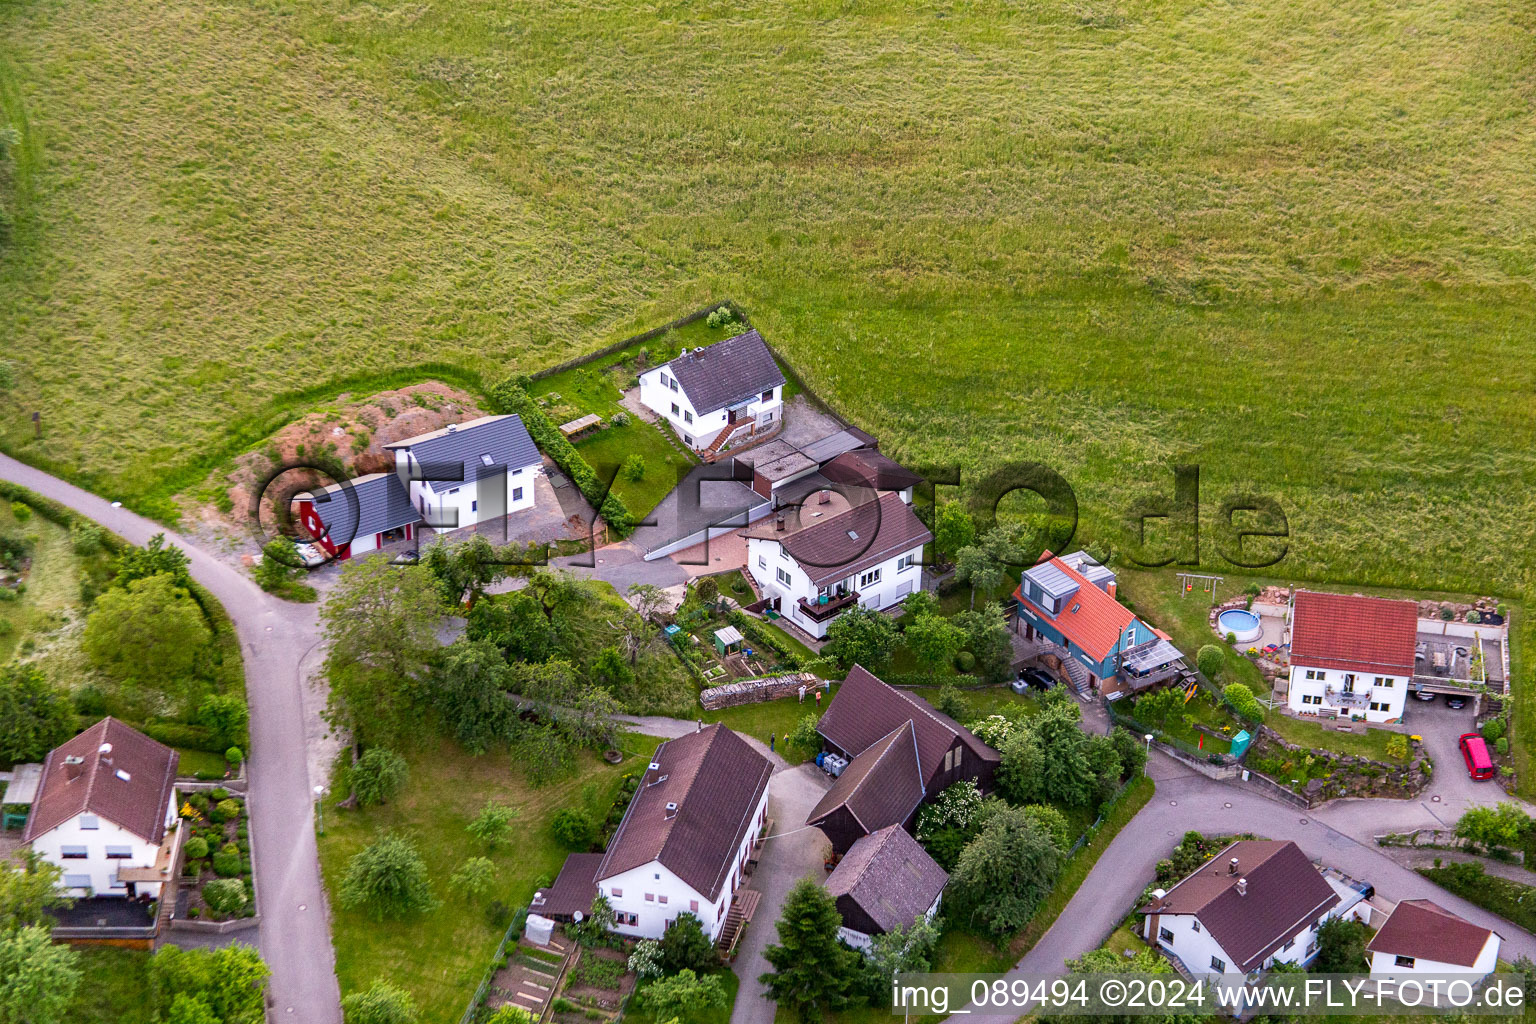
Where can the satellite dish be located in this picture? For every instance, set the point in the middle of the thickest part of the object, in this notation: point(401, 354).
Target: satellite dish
point(578, 916)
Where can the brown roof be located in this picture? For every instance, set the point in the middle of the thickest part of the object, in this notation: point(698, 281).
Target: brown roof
point(868, 467)
point(890, 876)
point(1425, 930)
point(865, 711)
point(572, 890)
point(1351, 633)
point(1285, 891)
point(129, 783)
point(715, 780)
point(880, 786)
point(855, 540)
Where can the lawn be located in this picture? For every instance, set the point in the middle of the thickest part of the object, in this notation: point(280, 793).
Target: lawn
point(114, 987)
point(1372, 743)
point(776, 718)
point(440, 956)
point(52, 597)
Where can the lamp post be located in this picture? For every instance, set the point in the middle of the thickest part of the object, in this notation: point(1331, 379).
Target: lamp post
point(320, 809)
point(1148, 738)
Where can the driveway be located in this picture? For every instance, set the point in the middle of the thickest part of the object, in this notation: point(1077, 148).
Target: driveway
point(794, 851)
point(275, 637)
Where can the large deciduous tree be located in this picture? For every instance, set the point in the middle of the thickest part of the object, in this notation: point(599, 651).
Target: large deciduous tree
point(34, 716)
point(861, 636)
point(469, 691)
point(151, 633)
point(935, 640)
point(1004, 873)
point(153, 559)
point(28, 889)
point(230, 981)
point(37, 978)
point(388, 879)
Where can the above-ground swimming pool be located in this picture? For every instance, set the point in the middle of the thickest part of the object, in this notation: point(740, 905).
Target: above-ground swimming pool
point(1240, 623)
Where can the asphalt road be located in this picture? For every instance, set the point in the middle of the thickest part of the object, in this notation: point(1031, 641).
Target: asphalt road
point(274, 636)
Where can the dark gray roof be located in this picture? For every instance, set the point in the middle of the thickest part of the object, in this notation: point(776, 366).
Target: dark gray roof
point(503, 439)
point(727, 372)
point(830, 447)
point(890, 876)
point(377, 502)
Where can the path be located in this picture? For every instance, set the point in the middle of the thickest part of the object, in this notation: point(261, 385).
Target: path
point(274, 636)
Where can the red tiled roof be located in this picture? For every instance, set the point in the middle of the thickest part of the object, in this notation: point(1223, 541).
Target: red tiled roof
point(130, 784)
point(1351, 633)
point(1091, 619)
point(1425, 930)
point(716, 781)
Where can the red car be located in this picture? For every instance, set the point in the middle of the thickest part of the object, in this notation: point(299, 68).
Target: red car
point(1474, 750)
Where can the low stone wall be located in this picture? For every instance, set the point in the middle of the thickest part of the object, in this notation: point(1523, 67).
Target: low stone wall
point(755, 691)
point(214, 927)
point(1355, 776)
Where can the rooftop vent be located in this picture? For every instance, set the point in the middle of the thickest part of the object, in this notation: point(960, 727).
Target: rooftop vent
point(671, 808)
point(1232, 866)
point(452, 428)
point(123, 775)
point(1077, 607)
point(73, 759)
point(104, 749)
point(654, 765)
point(1242, 887)
point(778, 522)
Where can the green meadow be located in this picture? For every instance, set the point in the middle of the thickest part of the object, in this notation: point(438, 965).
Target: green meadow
point(1288, 241)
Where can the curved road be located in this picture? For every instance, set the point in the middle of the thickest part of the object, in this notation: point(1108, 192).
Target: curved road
point(274, 638)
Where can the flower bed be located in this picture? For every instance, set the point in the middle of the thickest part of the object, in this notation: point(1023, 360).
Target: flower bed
point(216, 853)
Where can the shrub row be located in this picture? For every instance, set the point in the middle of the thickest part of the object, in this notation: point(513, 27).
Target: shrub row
point(511, 395)
point(63, 515)
point(172, 734)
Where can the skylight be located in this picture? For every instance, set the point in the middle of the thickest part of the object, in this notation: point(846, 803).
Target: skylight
point(853, 534)
point(487, 460)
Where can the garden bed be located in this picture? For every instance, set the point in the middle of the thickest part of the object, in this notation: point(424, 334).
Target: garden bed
point(599, 980)
point(217, 880)
point(1320, 774)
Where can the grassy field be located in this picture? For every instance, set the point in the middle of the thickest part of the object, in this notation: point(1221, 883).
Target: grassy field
point(439, 957)
point(114, 987)
point(53, 584)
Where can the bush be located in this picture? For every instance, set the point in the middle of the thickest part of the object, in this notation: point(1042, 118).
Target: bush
point(224, 810)
point(1501, 744)
point(619, 419)
point(378, 776)
point(1473, 617)
point(1493, 729)
point(234, 755)
point(196, 848)
point(1231, 639)
point(226, 863)
point(1210, 661)
point(380, 1003)
point(574, 828)
point(634, 468)
point(965, 661)
point(1241, 699)
point(225, 895)
point(21, 510)
point(1397, 747)
point(1447, 614)
point(85, 538)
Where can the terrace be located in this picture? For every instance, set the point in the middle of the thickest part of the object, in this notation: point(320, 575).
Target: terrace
point(829, 605)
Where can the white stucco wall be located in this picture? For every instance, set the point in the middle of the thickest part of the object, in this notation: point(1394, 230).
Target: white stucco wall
point(1487, 959)
point(699, 427)
point(1196, 947)
point(1390, 692)
point(451, 505)
point(96, 865)
point(765, 557)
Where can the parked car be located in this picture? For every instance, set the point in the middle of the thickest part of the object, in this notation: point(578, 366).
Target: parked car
point(1474, 750)
point(1032, 678)
point(1455, 703)
point(1424, 695)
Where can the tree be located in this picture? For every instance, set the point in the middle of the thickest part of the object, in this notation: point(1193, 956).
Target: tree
point(380, 1003)
point(189, 1009)
point(987, 637)
point(574, 827)
point(1341, 947)
point(593, 929)
point(952, 702)
point(1108, 961)
point(861, 636)
point(589, 721)
point(156, 558)
point(34, 717)
point(1504, 826)
point(493, 825)
point(473, 878)
point(1104, 767)
point(1019, 768)
point(28, 889)
point(378, 776)
point(1155, 707)
point(648, 600)
point(152, 633)
point(465, 569)
point(388, 879)
point(381, 627)
point(812, 970)
point(279, 564)
point(1210, 660)
point(1133, 755)
point(685, 996)
point(976, 565)
point(952, 527)
point(516, 623)
point(1004, 873)
point(226, 715)
point(37, 978)
point(950, 821)
point(645, 961)
point(1240, 698)
point(1065, 775)
point(469, 688)
point(684, 946)
point(229, 981)
point(611, 671)
point(934, 640)
point(903, 950)
point(1052, 822)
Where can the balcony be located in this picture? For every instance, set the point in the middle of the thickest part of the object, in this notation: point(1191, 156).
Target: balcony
point(1348, 698)
point(828, 607)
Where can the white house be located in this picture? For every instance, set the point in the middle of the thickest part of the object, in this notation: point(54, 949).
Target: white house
point(884, 881)
point(106, 813)
point(813, 566)
point(719, 394)
point(1422, 937)
point(1255, 903)
point(1351, 656)
point(684, 842)
point(468, 473)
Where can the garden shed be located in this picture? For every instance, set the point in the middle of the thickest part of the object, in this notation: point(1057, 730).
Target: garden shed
point(727, 641)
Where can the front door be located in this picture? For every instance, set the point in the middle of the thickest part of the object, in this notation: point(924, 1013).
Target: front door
point(730, 416)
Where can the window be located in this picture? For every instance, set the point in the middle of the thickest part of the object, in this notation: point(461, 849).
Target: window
point(517, 494)
point(693, 906)
point(517, 472)
point(762, 562)
point(675, 410)
point(663, 379)
point(1402, 961)
point(662, 898)
point(687, 440)
point(906, 562)
point(1385, 682)
point(1311, 947)
point(1218, 964)
point(870, 578)
point(1312, 674)
point(89, 822)
point(650, 897)
point(77, 881)
point(1194, 925)
point(1289, 943)
point(767, 417)
point(672, 383)
point(454, 491)
point(629, 919)
point(474, 506)
point(617, 892)
point(73, 852)
point(1165, 935)
point(119, 852)
point(687, 416)
point(782, 576)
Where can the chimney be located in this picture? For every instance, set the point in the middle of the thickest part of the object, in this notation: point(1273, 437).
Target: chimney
point(826, 498)
point(74, 767)
point(1109, 588)
point(1242, 887)
point(778, 522)
point(671, 810)
point(1232, 866)
point(452, 428)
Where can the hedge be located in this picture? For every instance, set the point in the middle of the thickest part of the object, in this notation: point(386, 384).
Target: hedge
point(172, 734)
point(58, 513)
point(511, 395)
